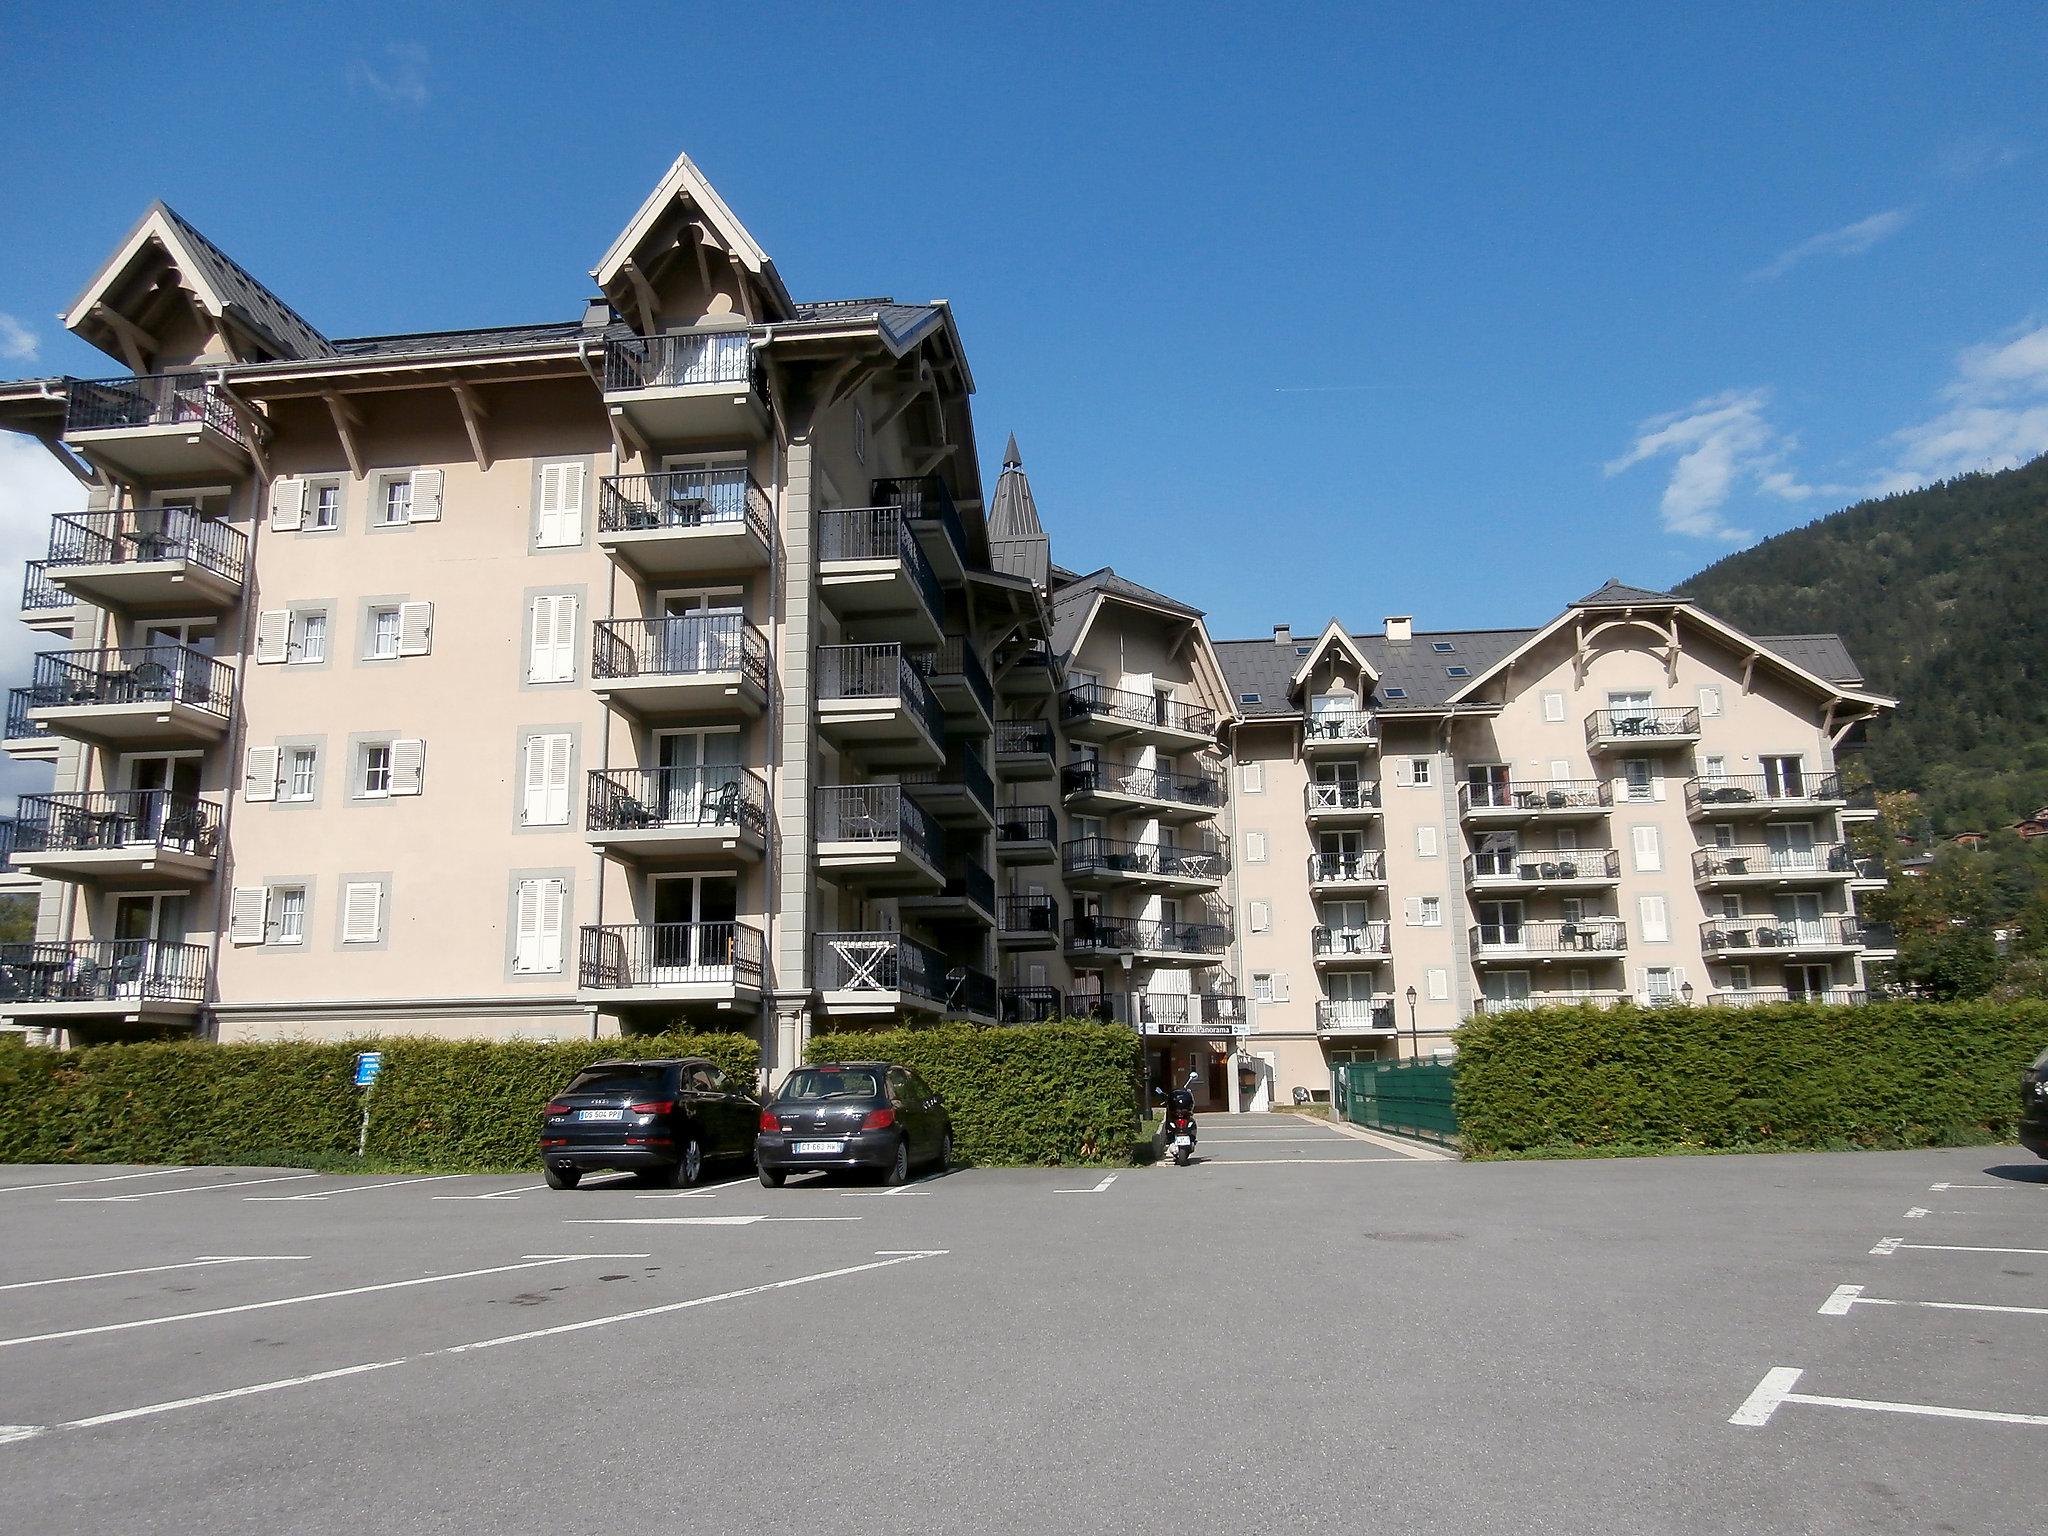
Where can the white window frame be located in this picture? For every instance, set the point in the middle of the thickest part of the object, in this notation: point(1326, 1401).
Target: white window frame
point(1251, 778)
point(545, 792)
point(1431, 911)
point(275, 929)
point(299, 651)
point(348, 898)
point(378, 618)
point(316, 490)
point(309, 758)
point(1420, 770)
point(394, 494)
point(1262, 987)
point(369, 769)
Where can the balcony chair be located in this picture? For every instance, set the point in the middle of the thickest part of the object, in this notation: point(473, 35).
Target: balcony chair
point(721, 807)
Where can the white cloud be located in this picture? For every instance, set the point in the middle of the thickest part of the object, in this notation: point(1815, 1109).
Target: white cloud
point(400, 77)
point(1997, 415)
point(1849, 240)
point(33, 488)
point(1720, 445)
point(17, 342)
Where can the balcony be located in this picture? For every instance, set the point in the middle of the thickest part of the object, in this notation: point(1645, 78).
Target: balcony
point(154, 559)
point(1340, 804)
point(1027, 670)
point(658, 965)
point(960, 683)
point(1340, 733)
point(676, 813)
point(44, 605)
point(878, 837)
point(157, 426)
point(927, 506)
point(1105, 861)
point(1025, 835)
point(1028, 922)
point(883, 973)
point(696, 387)
point(1109, 789)
point(1143, 938)
point(1732, 866)
point(1506, 801)
point(1768, 997)
point(1024, 749)
point(1029, 1005)
point(1355, 1016)
point(1641, 729)
point(872, 701)
point(1737, 938)
point(149, 695)
point(687, 522)
point(958, 792)
point(1588, 999)
point(1186, 1013)
point(129, 981)
point(1879, 940)
point(27, 739)
point(968, 895)
point(125, 835)
point(875, 576)
point(674, 668)
point(1747, 794)
point(1586, 939)
point(1092, 712)
point(1337, 948)
point(1860, 803)
point(1542, 869)
point(1364, 869)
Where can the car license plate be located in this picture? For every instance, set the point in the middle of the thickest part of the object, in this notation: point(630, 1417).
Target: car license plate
point(819, 1147)
point(600, 1114)
point(1183, 1141)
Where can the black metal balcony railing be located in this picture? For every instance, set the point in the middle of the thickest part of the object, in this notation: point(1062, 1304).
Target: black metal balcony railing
point(1536, 795)
point(1761, 789)
point(684, 498)
point(670, 955)
point(1877, 935)
point(1117, 934)
point(1024, 824)
point(1647, 723)
point(103, 971)
point(955, 658)
point(967, 880)
point(142, 674)
point(878, 672)
point(963, 769)
point(1189, 861)
point(1030, 914)
point(1029, 1005)
point(1862, 798)
point(1087, 699)
point(880, 533)
point(1357, 939)
point(1356, 725)
point(37, 593)
point(885, 962)
point(1543, 864)
point(1353, 795)
point(1744, 859)
point(19, 702)
point(647, 799)
point(150, 400)
point(1089, 776)
point(672, 362)
point(924, 499)
point(1548, 937)
point(878, 813)
point(1731, 933)
point(134, 535)
point(1363, 1014)
point(134, 818)
point(1185, 1012)
point(1024, 737)
point(1763, 997)
point(1339, 868)
point(699, 645)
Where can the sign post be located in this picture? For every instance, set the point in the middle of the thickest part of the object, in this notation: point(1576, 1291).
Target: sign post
point(368, 1065)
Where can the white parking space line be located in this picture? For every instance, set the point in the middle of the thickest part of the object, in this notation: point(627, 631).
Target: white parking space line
point(1094, 1189)
point(706, 1193)
point(1776, 1389)
point(1291, 1162)
point(1897, 1244)
point(693, 1221)
point(1936, 1189)
point(283, 1301)
point(1919, 1211)
point(23, 1432)
point(501, 1194)
point(909, 1188)
point(359, 1189)
point(112, 1178)
point(154, 1269)
point(182, 1189)
point(1847, 1296)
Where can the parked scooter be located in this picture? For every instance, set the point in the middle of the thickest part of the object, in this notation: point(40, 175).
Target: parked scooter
point(1180, 1121)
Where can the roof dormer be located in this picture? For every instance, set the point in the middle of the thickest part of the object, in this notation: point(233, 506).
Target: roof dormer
point(684, 260)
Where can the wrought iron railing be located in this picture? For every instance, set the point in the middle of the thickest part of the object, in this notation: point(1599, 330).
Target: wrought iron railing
point(1088, 776)
point(1186, 1013)
point(1530, 865)
point(1863, 798)
point(1095, 932)
point(1021, 738)
point(879, 672)
point(688, 645)
point(1733, 933)
point(882, 962)
point(674, 361)
point(1030, 914)
point(925, 500)
point(963, 769)
point(1110, 855)
point(1339, 941)
point(136, 535)
point(141, 674)
point(684, 498)
point(670, 955)
point(1645, 723)
point(878, 813)
point(39, 595)
point(1024, 824)
point(1762, 791)
point(1362, 864)
point(1877, 935)
point(150, 400)
point(1029, 1005)
point(1535, 795)
point(1086, 699)
point(966, 879)
point(954, 659)
point(1351, 795)
point(647, 799)
point(1354, 725)
point(1569, 936)
point(1739, 860)
point(1355, 1015)
point(1764, 997)
point(103, 971)
point(133, 818)
point(19, 702)
point(881, 533)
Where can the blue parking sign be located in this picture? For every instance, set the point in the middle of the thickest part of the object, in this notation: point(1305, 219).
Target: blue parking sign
point(368, 1065)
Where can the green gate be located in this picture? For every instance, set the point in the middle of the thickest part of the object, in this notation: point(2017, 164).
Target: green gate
point(1409, 1098)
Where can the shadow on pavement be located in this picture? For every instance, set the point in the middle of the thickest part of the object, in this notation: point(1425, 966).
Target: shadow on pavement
point(2020, 1173)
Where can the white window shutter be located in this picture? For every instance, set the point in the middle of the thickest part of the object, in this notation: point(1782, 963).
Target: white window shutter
point(534, 776)
point(571, 526)
point(1560, 770)
point(1252, 778)
point(546, 779)
point(1279, 986)
point(558, 779)
point(1656, 920)
point(259, 773)
point(1439, 984)
point(1411, 911)
point(1649, 849)
point(288, 505)
point(526, 950)
point(548, 525)
point(1262, 917)
point(1656, 785)
point(552, 652)
point(1404, 772)
point(408, 765)
point(565, 637)
point(426, 495)
point(273, 634)
point(1425, 842)
point(1710, 703)
point(415, 629)
point(553, 901)
point(362, 912)
point(246, 913)
point(1255, 847)
point(1553, 707)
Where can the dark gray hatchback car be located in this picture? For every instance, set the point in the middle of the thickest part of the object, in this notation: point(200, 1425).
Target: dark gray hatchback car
point(847, 1115)
point(661, 1119)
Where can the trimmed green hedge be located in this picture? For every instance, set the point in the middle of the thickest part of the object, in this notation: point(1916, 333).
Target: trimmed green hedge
point(440, 1104)
point(1025, 1094)
point(1787, 1077)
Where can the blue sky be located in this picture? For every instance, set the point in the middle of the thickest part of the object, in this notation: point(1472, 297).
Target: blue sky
point(1294, 310)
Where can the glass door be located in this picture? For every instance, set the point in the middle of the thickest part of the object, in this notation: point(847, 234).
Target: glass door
point(1800, 914)
point(1505, 989)
point(1784, 778)
point(693, 936)
point(1500, 924)
point(1487, 784)
point(703, 634)
point(1790, 844)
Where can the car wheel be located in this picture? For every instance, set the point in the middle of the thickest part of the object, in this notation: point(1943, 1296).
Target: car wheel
point(899, 1171)
point(688, 1169)
point(773, 1178)
point(561, 1178)
point(946, 1150)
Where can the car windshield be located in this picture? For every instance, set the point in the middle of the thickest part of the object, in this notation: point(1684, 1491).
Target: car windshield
point(611, 1080)
point(829, 1083)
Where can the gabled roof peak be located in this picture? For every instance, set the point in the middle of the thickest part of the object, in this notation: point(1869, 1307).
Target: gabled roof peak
point(1617, 594)
point(685, 186)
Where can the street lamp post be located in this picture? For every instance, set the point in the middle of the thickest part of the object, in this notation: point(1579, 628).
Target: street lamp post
point(1414, 1030)
point(1685, 991)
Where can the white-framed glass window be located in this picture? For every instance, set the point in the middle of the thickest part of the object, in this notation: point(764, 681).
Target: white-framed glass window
point(394, 501)
point(384, 633)
point(1633, 704)
point(1660, 983)
point(1419, 770)
point(1572, 908)
point(1262, 986)
point(323, 506)
point(1714, 766)
point(288, 923)
point(376, 770)
point(1432, 911)
point(309, 636)
point(305, 766)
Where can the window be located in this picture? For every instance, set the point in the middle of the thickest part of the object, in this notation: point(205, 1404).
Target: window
point(547, 780)
point(1255, 847)
point(323, 509)
point(309, 636)
point(1262, 986)
point(1716, 767)
point(1457, 671)
point(1438, 982)
point(376, 774)
point(1432, 911)
point(560, 520)
point(304, 774)
point(551, 653)
point(1442, 647)
point(1251, 778)
point(1553, 706)
point(1393, 693)
point(1656, 919)
point(1418, 771)
point(394, 504)
point(1738, 978)
point(1660, 984)
point(1426, 845)
point(1572, 909)
point(384, 631)
point(1639, 781)
point(362, 912)
point(1731, 906)
point(538, 948)
point(288, 914)
point(1247, 698)
point(1303, 650)
point(1648, 847)
point(1262, 916)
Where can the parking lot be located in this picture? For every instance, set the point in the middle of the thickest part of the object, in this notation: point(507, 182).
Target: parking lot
point(1305, 1328)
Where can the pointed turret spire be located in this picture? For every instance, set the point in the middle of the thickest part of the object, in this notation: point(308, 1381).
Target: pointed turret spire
point(1012, 459)
point(1016, 540)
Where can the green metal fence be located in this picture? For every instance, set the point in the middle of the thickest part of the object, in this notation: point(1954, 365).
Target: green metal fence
point(1409, 1098)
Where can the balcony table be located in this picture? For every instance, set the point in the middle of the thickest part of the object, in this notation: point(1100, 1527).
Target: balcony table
point(1196, 864)
point(863, 959)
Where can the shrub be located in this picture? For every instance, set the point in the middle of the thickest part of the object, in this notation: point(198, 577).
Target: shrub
point(1786, 1077)
point(1027, 1094)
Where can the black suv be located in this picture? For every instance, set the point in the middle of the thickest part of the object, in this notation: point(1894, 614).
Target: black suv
point(852, 1115)
point(2034, 1107)
point(661, 1119)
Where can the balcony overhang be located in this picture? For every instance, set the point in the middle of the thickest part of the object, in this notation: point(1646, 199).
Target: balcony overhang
point(104, 1012)
point(669, 695)
point(171, 450)
point(135, 863)
point(146, 723)
point(879, 864)
point(1502, 954)
point(877, 600)
point(722, 548)
point(729, 992)
point(148, 586)
point(681, 841)
point(884, 731)
point(677, 415)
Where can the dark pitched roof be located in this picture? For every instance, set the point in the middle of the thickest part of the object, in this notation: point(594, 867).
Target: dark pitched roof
point(480, 339)
point(1071, 595)
point(289, 331)
point(1822, 655)
point(1617, 595)
point(1016, 539)
point(901, 323)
